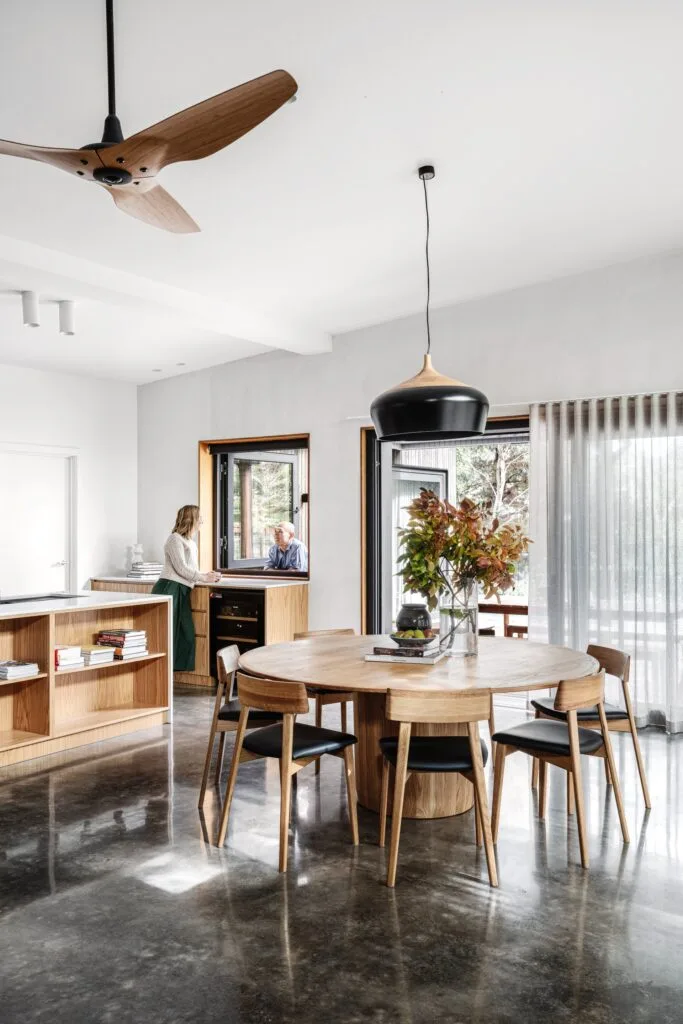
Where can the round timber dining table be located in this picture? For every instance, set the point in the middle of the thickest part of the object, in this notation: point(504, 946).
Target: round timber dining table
point(337, 662)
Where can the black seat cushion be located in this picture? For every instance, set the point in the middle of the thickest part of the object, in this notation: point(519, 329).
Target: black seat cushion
point(612, 712)
point(309, 741)
point(434, 753)
point(230, 712)
point(547, 737)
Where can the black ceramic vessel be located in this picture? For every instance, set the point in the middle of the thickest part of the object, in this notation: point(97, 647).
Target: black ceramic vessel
point(413, 616)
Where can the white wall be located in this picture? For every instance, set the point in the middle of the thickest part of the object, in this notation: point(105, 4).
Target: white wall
point(98, 420)
point(613, 331)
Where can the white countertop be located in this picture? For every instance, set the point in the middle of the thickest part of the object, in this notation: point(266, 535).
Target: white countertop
point(84, 600)
point(226, 583)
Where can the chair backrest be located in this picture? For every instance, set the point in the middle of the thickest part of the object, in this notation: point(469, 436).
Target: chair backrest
point(324, 632)
point(437, 706)
point(612, 661)
point(516, 632)
point(272, 695)
point(573, 694)
point(227, 660)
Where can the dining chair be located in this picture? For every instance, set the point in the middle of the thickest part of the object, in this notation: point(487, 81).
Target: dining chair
point(465, 755)
point(321, 695)
point(293, 744)
point(226, 713)
point(614, 663)
point(516, 632)
point(562, 743)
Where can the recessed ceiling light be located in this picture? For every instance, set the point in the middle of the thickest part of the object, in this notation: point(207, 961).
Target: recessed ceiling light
point(156, 371)
point(181, 364)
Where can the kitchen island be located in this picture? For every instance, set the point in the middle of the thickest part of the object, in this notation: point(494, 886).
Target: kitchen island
point(250, 611)
point(57, 709)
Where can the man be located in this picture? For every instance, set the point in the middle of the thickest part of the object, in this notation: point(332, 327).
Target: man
point(287, 552)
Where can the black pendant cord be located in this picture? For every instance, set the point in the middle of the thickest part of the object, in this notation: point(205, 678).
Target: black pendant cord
point(111, 70)
point(429, 283)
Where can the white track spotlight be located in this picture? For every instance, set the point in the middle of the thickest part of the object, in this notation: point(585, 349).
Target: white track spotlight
point(66, 317)
point(29, 308)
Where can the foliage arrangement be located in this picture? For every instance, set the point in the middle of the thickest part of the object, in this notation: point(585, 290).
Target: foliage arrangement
point(444, 545)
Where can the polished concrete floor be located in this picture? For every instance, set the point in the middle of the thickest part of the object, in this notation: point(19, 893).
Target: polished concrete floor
point(114, 907)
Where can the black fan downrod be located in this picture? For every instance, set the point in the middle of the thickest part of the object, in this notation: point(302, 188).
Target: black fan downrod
point(112, 133)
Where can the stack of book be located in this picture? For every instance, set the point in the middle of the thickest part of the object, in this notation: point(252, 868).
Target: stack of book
point(145, 571)
point(98, 654)
point(428, 654)
point(18, 669)
point(68, 656)
point(127, 643)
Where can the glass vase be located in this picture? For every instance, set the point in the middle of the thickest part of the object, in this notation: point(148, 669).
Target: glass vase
point(459, 619)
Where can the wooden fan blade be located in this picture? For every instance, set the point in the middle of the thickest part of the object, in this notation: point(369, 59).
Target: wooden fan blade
point(206, 127)
point(154, 205)
point(76, 161)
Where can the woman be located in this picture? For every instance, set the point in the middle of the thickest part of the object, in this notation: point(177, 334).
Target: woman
point(178, 577)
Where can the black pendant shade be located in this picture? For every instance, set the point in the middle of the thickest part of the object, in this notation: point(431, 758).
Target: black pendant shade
point(429, 407)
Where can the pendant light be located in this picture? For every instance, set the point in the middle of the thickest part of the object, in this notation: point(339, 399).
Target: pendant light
point(429, 406)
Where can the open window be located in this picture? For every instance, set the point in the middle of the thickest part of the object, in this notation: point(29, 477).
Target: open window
point(258, 484)
point(490, 467)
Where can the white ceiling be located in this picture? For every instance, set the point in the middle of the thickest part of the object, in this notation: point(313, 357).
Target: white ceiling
point(554, 127)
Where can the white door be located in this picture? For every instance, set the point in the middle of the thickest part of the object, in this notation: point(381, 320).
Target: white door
point(35, 526)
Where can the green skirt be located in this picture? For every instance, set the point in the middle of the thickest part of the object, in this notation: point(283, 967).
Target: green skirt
point(183, 626)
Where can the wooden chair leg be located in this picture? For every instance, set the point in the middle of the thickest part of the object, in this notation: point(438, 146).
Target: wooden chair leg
point(399, 791)
point(616, 788)
point(575, 754)
point(636, 745)
point(542, 787)
point(534, 773)
point(492, 729)
point(285, 788)
point(351, 793)
point(498, 775)
point(534, 766)
point(207, 762)
point(570, 793)
point(608, 779)
point(343, 716)
point(318, 722)
point(477, 819)
point(384, 802)
point(232, 777)
point(480, 789)
point(219, 759)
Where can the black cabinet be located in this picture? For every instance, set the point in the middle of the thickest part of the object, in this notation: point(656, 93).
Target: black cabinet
point(237, 617)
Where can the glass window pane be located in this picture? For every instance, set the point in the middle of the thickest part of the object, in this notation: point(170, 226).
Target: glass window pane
point(263, 495)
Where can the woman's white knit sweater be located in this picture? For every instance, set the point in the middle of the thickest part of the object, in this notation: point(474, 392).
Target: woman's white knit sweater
point(181, 561)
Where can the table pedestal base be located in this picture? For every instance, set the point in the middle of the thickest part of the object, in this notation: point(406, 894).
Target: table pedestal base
point(427, 795)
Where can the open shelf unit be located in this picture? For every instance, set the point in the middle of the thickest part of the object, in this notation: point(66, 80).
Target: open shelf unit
point(58, 709)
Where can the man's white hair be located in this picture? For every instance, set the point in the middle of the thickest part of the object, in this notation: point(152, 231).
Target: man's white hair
point(289, 527)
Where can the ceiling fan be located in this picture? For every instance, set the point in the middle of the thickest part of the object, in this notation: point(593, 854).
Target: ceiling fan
point(127, 168)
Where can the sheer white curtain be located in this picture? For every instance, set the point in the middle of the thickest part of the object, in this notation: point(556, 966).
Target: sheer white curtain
point(606, 518)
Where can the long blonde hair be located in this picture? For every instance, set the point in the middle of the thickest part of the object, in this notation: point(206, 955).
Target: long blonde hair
point(187, 520)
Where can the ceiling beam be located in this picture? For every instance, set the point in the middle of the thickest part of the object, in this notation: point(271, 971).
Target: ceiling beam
point(56, 273)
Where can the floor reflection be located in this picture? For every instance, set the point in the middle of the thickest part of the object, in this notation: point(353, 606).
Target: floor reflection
point(105, 858)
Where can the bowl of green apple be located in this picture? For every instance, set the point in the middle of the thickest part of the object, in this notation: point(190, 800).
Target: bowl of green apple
point(413, 637)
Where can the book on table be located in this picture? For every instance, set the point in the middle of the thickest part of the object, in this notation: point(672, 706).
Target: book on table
point(12, 669)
